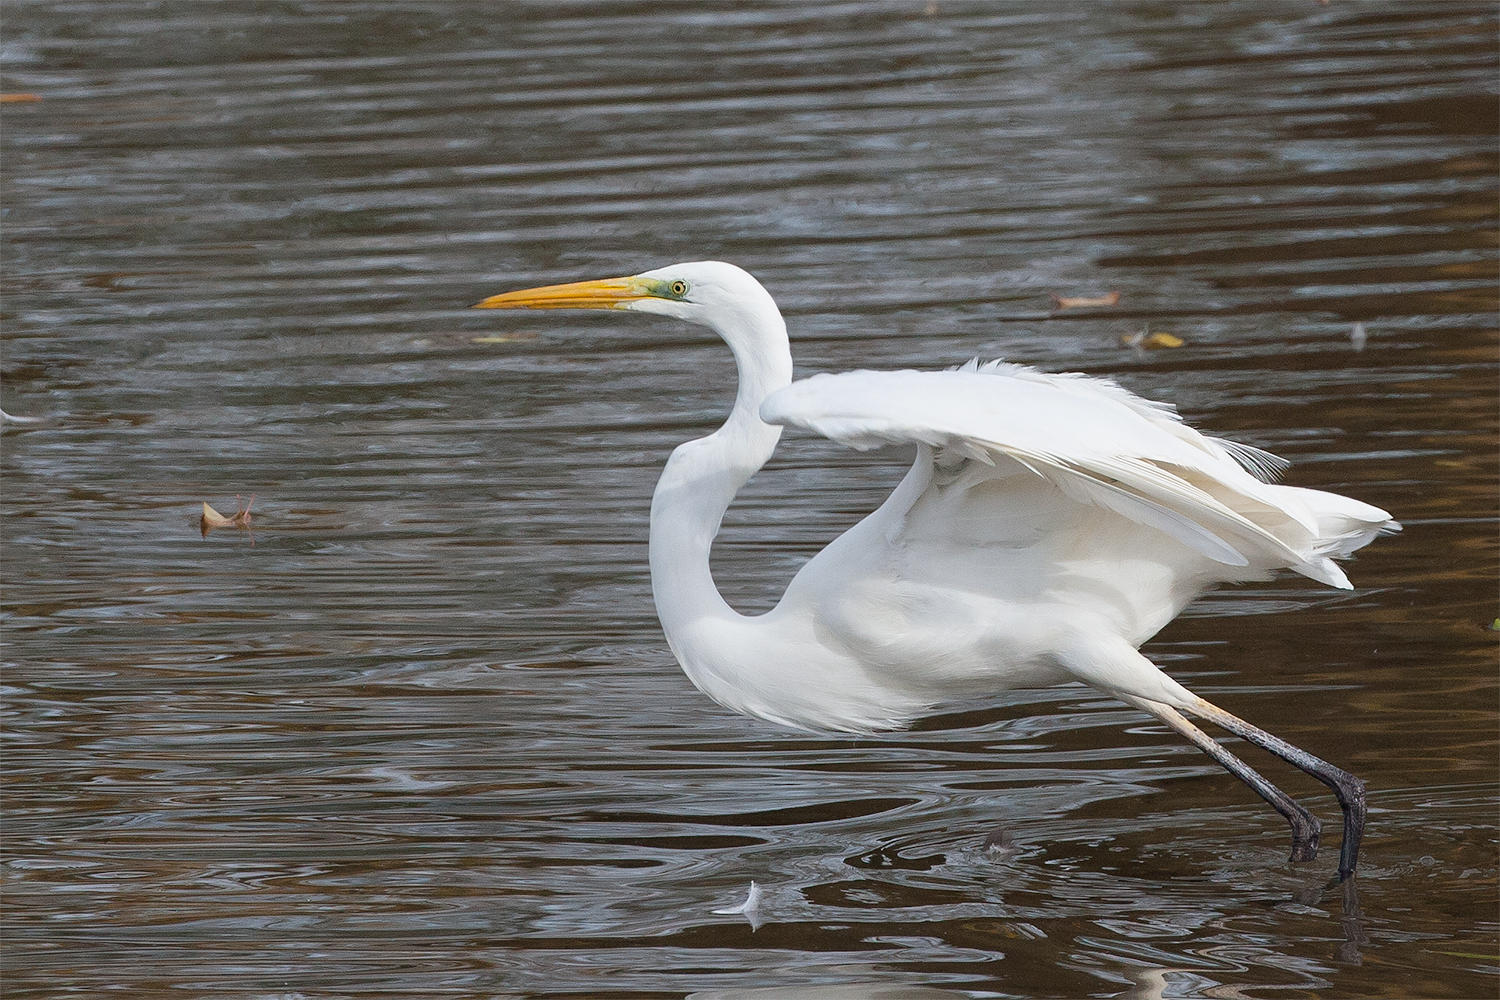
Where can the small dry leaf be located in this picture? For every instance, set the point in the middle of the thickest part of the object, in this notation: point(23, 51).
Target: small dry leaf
point(1084, 302)
point(1151, 341)
point(18, 98)
point(212, 519)
point(503, 338)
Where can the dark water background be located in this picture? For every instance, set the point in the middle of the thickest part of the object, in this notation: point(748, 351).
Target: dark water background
point(423, 738)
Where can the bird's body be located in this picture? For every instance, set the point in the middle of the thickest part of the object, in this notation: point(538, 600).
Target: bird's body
point(1049, 525)
point(1001, 560)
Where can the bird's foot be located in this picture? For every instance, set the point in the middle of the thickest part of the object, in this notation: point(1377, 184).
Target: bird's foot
point(1351, 792)
point(1306, 832)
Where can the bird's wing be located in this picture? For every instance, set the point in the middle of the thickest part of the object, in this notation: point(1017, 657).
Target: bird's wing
point(1092, 439)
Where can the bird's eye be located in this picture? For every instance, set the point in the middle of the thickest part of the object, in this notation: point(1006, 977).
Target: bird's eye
point(679, 288)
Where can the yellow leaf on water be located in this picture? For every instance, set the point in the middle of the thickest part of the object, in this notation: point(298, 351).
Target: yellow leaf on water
point(1147, 341)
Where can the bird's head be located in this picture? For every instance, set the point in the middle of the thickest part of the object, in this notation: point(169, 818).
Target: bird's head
point(709, 292)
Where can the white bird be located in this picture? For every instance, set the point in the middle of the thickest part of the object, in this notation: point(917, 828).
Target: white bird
point(1049, 526)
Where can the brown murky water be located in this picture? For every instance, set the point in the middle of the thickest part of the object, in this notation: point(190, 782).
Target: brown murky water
point(423, 736)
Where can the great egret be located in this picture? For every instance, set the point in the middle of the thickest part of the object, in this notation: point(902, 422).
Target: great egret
point(1049, 526)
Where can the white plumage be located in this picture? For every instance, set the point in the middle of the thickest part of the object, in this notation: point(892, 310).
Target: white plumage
point(1049, 525)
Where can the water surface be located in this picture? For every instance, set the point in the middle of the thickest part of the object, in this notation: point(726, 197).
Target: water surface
point(423, 737)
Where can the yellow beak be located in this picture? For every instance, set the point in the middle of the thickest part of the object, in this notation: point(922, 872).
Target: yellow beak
point(605, 293)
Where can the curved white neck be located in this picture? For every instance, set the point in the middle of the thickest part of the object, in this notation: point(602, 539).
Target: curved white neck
point(702, 477)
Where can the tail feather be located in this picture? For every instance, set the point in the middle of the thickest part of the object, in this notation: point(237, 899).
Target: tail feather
point(1344, 525)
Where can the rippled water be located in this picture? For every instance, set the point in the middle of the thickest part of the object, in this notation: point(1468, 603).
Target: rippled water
point(423, 737)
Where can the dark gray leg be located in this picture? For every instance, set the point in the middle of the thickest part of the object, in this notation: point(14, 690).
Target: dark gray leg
point(1349, 789)
point(1305, 826)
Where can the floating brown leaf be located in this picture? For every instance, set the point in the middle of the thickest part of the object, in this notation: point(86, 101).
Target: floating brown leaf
point(1084, 302)
point(240, 519)
point(18, 98)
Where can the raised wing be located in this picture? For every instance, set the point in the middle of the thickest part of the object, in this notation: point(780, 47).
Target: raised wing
point(1095, 441)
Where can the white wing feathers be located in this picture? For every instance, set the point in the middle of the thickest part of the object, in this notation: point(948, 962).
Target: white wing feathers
point(1099, 444)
